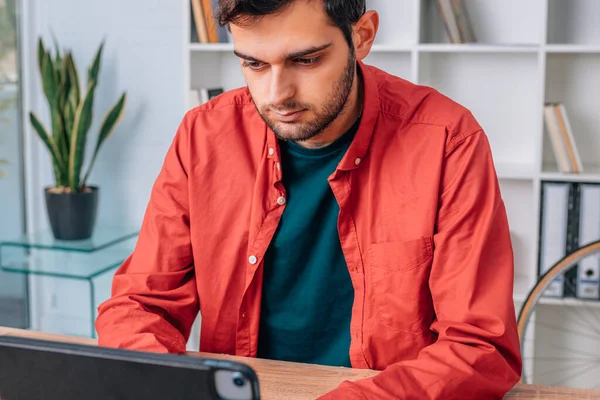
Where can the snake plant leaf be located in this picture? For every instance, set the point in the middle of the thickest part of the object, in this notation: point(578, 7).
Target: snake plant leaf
point(51, 90)
point(47, 139)
point(56, 48)
point(59, 134)
point(58, 64)
point(106, 129)
point(81, 126)
point(94, 69)
point(49, 79)
point(59, 71)
point(75, 93)
point(74, 96)
point(69, 117)
point(57, 161)
point(64, 85)
point(65, 89)
point(41, 53)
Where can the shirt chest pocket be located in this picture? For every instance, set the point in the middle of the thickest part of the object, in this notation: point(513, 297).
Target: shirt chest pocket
point(399, 280)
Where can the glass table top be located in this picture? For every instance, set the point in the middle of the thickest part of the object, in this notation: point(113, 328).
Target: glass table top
point(103, 237)
point(65, 264)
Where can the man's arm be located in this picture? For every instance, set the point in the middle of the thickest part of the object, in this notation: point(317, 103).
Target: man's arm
point(477, 354)
point(154, 300)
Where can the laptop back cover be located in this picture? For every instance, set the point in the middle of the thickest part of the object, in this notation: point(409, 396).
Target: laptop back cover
point(33, 370)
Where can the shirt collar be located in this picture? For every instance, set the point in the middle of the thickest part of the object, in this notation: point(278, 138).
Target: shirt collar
point(360, 145)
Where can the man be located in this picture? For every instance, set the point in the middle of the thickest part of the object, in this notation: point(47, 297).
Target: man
point(328, 213)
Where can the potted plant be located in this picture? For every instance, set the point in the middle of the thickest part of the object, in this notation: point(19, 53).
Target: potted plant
point(71, 203)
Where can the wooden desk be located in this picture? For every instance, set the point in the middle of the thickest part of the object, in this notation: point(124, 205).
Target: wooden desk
point(284, 380)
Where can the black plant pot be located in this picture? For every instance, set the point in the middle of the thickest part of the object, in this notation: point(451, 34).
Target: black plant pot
point(72, 215)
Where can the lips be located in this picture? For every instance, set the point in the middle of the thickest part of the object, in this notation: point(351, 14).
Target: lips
point(288, 116)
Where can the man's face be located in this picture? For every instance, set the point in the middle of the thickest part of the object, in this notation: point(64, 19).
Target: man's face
point(298, 67)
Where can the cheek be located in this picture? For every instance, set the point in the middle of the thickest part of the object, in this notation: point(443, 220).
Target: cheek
point(257, 88)
point(316, 86)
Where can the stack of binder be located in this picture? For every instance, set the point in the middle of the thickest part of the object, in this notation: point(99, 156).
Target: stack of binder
point(570, 219)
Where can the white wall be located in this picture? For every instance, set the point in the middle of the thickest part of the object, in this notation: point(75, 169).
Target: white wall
point(143, 55)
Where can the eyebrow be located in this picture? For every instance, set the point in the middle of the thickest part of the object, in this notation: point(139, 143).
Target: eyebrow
point(289, 56)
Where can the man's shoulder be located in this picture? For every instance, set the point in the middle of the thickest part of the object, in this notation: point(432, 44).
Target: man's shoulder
point(420, 104)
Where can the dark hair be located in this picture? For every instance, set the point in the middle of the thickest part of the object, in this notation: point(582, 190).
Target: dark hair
point(342, 13)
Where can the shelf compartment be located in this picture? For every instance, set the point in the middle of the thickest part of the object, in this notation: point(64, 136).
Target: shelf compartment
point(502, 92)
point(572, 79)
point(507, 22)
point(574, 22)
point(397, 25)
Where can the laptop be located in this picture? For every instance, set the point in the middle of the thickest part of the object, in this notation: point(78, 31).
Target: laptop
point(33, 369)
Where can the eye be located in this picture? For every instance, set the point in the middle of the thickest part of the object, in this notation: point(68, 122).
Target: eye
point(254, 65)
point(307, 61)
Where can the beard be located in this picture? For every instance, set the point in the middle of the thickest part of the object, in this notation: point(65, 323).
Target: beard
point(332, 108)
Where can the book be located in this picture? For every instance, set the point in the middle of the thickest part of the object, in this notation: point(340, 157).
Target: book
point(211, 26)
point(447, 16)
point(565, 127)
point(564, 146)
point(199, 21)
point(457, 22)
point(558, 147)
point(463, 22)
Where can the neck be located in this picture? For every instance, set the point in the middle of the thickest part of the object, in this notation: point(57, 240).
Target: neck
point(344, 121)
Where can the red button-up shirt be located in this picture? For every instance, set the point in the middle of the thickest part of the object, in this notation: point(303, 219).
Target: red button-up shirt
point(422, 226)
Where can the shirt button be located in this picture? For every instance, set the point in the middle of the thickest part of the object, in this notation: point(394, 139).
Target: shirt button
point(271, 151)
point(243, 315)
point(281, 201)
point(357, 161)
point(252, 260)
point(278, 166)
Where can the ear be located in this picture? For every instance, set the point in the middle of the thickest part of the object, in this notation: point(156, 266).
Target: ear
point(363, 33)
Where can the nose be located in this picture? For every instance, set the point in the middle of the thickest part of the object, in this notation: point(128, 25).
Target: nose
point(281, 87)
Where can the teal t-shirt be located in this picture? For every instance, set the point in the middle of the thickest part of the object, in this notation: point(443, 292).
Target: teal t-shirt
point(307, 292)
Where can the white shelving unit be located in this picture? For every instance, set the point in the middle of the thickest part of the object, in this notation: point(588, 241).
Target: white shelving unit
point(528, 52)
